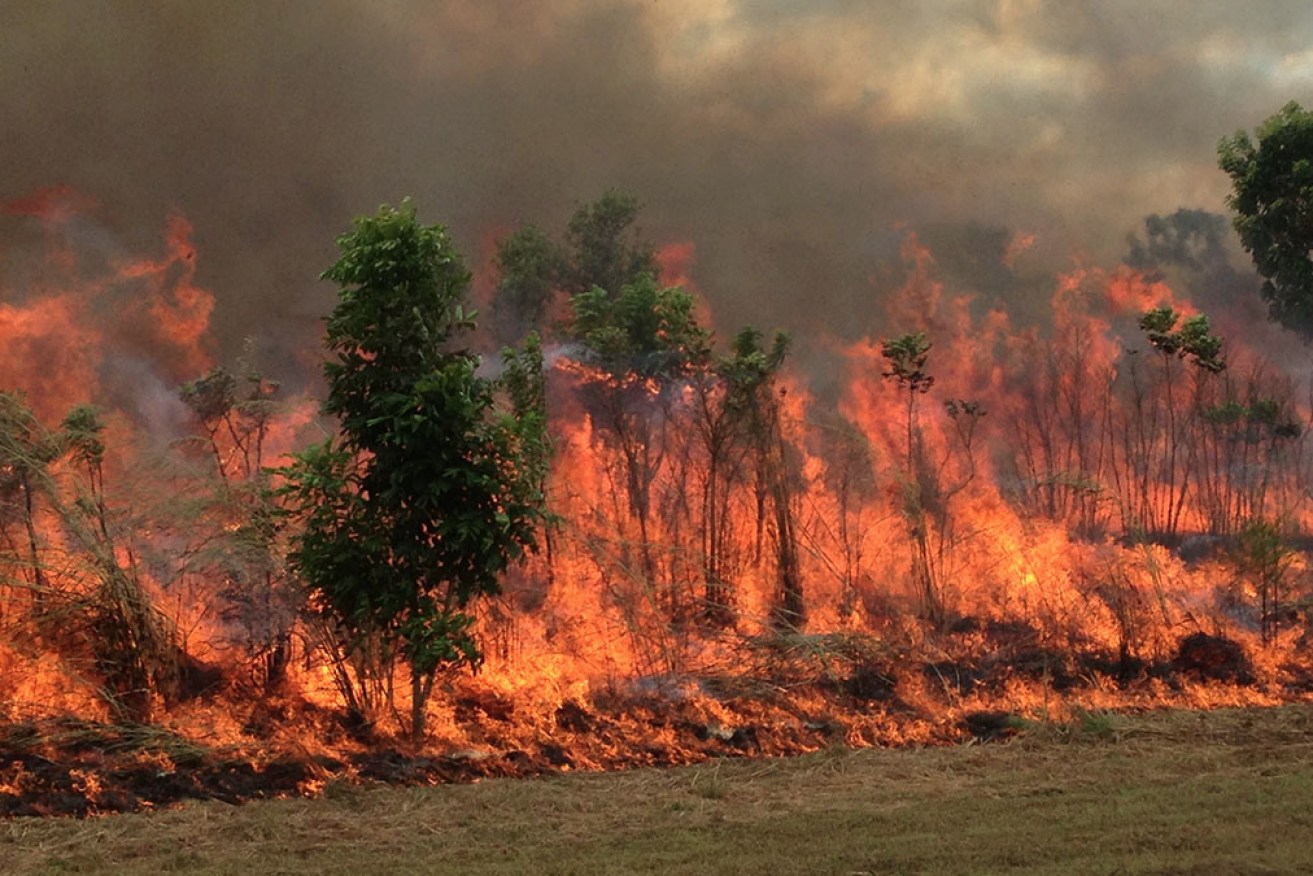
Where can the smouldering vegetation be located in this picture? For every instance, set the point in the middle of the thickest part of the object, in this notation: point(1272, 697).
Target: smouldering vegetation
point(1165, 792)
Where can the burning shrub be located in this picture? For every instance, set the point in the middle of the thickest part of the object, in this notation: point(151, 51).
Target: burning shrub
point(1214, 658)
point(110, 615)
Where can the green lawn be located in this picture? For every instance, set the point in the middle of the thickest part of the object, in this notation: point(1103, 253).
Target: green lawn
point(1175, 792)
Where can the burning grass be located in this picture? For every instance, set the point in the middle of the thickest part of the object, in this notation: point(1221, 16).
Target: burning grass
point(1163, 791)
point(787, 695)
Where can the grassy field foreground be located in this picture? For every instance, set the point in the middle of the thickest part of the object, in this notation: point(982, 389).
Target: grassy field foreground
point(1170, 792)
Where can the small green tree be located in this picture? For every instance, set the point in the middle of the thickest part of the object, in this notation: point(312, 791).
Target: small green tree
point(531, 267)
point(604, 247)
point(413, 511)
point(906, 357)
point(235, 411)
point(641, 329)
point(1262, 555)
point(927, 491)
point(25, 456)
point(1249, 444)
point(1272, 196)
point(753, 401)
point(525, 383)
point(641, 338)
point(1163, 478)
point(600, 248)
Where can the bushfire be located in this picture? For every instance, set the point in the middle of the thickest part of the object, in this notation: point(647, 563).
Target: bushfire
point(973, 521)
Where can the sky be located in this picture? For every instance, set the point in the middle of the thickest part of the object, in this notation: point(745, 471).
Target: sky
point(793, 143)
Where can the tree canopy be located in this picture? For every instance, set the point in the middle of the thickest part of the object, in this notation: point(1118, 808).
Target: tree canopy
point(601, 248)
point(605, 247)
point(640, 328)
point(1272, 178)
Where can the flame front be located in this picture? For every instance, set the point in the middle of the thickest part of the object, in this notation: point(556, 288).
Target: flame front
point(1043, 528)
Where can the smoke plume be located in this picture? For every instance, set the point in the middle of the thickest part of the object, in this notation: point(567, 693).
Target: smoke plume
point(791, 143)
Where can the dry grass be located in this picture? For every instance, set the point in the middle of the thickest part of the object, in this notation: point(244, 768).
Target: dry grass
point(1172, 792)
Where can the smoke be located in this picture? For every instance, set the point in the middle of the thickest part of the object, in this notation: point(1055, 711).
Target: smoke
point(791, 142)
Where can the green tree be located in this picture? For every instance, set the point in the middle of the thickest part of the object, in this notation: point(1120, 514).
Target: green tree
point(1248, 439)
point(525, 383)
point(413, 511)
point(605, 249)
point(906, 357)
point(1262, 554)
point(1158, 445)
point(640, 339)
point(1272, 196)
point(720, 425)
point(753, 401)
point(531, 267)
point(928, 492)
point(234, 410)
point(641, 329)
point(600, 249)
point(25, 456)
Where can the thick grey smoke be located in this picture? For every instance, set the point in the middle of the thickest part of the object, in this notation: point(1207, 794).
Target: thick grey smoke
point(789, 141)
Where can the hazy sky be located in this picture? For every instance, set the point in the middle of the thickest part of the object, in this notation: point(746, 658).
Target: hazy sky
point(790, 141)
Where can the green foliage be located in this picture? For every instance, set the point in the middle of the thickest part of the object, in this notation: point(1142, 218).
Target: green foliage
point(644, 330)
point(601, 250)
point(1193, 341)
point(24, 445)
point(525, 382)
point(605, 249)
point(233, 514)
point(234, 410)
point(212, 396)
point(134, 650)
point(82, 428)
point(532, 266)
point(26, 451)
point(751, 366)
point(1262, 554)
point(733, 409)
point(402, 299)
point(1272, 197)
point(640, 336)
point(1261, 547)
point(414, 511)
point(753, 405)
point(907, 356)
point(1262, 416)
point(1201, 346)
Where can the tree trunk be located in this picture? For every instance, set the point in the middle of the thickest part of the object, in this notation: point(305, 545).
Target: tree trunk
point(421, 686)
